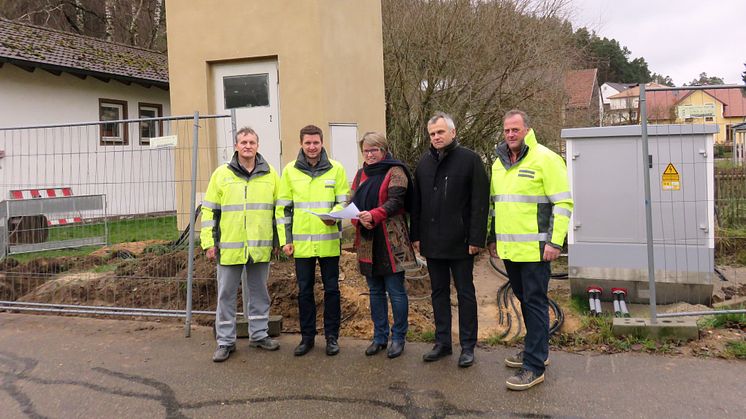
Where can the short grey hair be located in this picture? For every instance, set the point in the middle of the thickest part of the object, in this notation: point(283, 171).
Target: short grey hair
point(374, 139)
point(245, 131)
point(514, 112)
point(444, 116)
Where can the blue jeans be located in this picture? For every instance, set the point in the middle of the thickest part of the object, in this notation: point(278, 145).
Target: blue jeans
point(305, 272)
point(379, 286)
point(530, 281)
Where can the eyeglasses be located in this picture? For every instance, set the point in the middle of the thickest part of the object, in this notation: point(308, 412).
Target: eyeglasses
point(371, 151)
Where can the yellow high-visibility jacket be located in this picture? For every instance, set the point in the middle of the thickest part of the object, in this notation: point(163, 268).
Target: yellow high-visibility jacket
point(321, 189)
point(531, 200)
point(238, 212)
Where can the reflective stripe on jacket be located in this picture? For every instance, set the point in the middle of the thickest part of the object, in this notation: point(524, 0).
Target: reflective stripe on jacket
point(241, 206)
point(531, 200)
point(322, 190)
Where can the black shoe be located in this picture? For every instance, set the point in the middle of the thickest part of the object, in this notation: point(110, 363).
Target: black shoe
point(303, 347)
point(438, 351)
point(395, 350)
point(466, 359)
point(332, 347)
point(374, 348)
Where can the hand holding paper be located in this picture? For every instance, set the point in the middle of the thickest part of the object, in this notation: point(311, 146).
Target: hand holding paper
point(349, 212)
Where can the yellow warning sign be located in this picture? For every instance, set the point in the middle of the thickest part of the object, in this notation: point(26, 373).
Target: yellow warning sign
point(670, 179)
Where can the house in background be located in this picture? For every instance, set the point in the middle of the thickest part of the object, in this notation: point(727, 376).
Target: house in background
point(583, 107)
point(724, 107)
point(51, 77)
point(624, 106)
point(608, 90)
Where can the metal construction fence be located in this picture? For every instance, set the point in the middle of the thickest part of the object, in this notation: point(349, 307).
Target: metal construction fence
point(96, 215)
point(695, 196)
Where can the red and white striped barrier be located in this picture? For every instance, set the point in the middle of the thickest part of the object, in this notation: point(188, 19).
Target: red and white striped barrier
point(47, 193)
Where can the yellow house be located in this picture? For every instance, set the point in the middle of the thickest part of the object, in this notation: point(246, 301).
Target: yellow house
point(279, 65)
point(724, 107)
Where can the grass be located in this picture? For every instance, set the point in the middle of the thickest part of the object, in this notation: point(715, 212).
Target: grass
point(424, 336)
point(120, 231)
point(105, 268)
point(725, 321)
point(496, 339)
point(579, 305)
point(736, 349)
point(597, 332)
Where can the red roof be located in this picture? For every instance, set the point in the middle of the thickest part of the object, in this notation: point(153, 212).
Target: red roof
point(660, 104)
point(579, 85)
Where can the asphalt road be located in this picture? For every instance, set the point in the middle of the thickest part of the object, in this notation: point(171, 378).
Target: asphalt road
point(54, 366)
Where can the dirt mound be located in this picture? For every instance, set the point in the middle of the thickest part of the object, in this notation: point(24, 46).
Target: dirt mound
point(134, 248)
point(132, 276)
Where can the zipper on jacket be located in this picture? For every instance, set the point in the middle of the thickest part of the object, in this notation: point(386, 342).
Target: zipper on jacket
point(445, 190)
point(245, 198)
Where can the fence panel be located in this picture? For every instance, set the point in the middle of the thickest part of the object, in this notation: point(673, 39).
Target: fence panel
point(703, 108)
point(143, 170)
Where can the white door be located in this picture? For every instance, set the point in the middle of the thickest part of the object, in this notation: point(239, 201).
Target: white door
point(249, 88)
point(345, 148)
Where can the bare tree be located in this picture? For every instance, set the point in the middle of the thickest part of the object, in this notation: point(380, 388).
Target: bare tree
point(475, 60)
point(133, 22)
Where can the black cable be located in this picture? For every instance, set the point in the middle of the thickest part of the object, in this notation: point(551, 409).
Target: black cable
point(559, 315)
point(720, 275)
point(185, 234)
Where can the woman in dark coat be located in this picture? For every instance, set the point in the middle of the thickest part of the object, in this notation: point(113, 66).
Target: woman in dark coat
point(381, 191)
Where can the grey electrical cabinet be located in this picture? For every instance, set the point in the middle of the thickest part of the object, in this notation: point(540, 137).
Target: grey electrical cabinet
point(607, 238)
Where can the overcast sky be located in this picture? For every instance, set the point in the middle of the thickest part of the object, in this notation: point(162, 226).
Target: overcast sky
point(679, 39)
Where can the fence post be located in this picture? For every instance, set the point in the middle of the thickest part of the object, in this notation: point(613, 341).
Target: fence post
point(192, 212)
point(648, 205)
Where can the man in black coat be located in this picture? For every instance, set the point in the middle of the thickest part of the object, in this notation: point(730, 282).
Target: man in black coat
point(448, 223)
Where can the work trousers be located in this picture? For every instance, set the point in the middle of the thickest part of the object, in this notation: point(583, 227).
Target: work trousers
point(253, 277)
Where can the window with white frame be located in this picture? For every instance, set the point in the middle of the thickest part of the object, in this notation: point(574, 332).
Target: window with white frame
point(149, 129)
point(114, 133)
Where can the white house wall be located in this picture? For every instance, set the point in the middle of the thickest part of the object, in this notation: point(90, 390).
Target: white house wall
point(135, 179)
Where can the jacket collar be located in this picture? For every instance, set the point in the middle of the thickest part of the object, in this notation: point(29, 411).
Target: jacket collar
point(440, 155)
point(503, 152)
point(323, 166)
point(261, 167)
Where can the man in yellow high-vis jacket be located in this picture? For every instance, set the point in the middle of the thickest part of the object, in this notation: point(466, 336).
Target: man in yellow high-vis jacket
point(237, 230)
point(315, 183)
point(532, 209)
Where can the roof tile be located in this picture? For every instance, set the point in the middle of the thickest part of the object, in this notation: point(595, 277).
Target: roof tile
point(37, 46)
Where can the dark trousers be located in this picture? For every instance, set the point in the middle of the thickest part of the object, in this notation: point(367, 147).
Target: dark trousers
point(530, 281)
point(440, 271)
point(305, 272)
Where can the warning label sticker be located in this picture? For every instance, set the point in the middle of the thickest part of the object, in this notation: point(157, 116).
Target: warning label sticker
point(670, 180)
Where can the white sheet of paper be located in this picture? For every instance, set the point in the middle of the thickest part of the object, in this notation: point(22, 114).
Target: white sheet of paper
point(349, 212)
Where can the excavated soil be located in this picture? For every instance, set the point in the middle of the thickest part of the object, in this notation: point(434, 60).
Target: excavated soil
point(126, 276)
point(151, 275)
